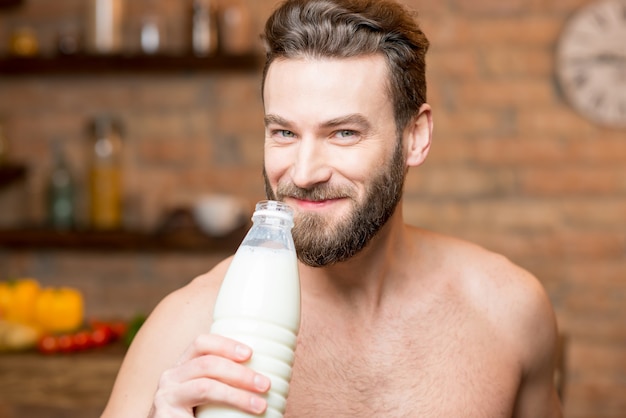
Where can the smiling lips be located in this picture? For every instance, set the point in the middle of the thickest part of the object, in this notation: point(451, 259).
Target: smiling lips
point(312, 204)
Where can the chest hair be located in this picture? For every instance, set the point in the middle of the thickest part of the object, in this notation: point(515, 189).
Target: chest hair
point(407, 369)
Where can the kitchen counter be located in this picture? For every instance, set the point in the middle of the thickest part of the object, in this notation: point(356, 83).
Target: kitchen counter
point(55, 386)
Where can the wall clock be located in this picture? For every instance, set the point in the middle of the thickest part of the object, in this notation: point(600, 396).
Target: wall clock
point(591, 62)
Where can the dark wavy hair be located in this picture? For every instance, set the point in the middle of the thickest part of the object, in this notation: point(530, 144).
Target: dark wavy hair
point(349, 28)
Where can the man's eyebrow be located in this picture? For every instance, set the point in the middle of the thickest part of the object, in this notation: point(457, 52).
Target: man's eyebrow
point(275, 119)
point(351, 119)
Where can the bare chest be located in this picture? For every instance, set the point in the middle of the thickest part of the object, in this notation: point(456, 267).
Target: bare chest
point(425, 372)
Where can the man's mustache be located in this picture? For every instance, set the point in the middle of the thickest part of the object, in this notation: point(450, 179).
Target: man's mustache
point(318, 192)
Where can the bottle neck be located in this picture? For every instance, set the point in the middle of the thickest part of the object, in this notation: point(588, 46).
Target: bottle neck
point(281, 221)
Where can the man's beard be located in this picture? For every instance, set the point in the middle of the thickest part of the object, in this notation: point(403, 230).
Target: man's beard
point(318, 241)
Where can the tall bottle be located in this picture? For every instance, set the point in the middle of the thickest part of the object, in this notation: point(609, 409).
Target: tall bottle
point(204, 31)
point(105, 192)
point(104, 26)
point(259, 304)
point(60, 192)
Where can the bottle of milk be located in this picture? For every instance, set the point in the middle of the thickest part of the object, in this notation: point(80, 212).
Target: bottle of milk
point(259, 304)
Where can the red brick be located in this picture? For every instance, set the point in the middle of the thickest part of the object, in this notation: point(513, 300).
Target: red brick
point(599, 213)
point(426, 8)
point(572, 180)
point(467, 122)
point(489, 7)
point(447, 31)
point(459, 181)
point(518, 151)
point(449, 150)
point(562, 6)
point(515, 31)
point(609, 147)
point(503, 93)
point(555, 120)
point(459, 63)
point(503, 61)
point(599, 393)
point(237, 89)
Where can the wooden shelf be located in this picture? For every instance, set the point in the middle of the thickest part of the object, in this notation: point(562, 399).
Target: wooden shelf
point(118, 64)
point(87, 240)
point(10, 173)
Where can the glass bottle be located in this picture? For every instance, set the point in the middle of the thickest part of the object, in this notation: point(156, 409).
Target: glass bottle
point(203, 28)
point(235, 28)
point(105, 176)
point(259, 304)
point(104, 26)
point(60, 192)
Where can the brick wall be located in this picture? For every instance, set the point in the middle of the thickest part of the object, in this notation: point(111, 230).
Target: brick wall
point(512, 167)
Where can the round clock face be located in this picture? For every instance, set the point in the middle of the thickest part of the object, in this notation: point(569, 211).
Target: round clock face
point(591, 62)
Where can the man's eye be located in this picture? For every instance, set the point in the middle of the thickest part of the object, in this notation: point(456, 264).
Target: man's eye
point(345, 133)
point(285, 133)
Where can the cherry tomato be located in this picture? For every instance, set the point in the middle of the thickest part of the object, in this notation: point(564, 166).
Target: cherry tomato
point(81, 340)
point(66, 343)
point(100, 336)
point(48, 344)
point(119, 329)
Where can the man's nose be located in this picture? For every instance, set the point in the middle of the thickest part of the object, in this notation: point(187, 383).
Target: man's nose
point(311, 164)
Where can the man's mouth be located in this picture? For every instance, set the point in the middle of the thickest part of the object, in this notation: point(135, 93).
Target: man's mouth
point(310, 204)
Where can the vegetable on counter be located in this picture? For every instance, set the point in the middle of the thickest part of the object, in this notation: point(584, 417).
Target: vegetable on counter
point(98, 334)
point(52, 320)
point(15, 336)
point(18, 299)
point(52, 309)
point(59, 309)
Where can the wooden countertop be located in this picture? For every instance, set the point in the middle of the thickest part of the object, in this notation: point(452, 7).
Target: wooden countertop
point(55, 386)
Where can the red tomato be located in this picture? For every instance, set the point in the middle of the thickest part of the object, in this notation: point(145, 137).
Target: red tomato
point(81, 340)
point(48, 344)
point(119, 329)
point(100, 336)
point(66, 343)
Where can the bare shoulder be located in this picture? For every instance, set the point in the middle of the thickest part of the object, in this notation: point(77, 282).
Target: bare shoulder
point(505, 292)
point(504, 306)
point(171, 327)
point(509, 297)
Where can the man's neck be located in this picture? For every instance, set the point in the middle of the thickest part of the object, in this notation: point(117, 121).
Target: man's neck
point(362, 283)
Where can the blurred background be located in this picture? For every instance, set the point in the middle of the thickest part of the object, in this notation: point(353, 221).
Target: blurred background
point(131, 139)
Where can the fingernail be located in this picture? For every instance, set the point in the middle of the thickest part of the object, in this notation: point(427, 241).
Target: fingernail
point(258, 405)
point(262, 383)
point(242, 352)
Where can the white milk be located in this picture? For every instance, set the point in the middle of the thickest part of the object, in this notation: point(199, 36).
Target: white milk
point(259, 305)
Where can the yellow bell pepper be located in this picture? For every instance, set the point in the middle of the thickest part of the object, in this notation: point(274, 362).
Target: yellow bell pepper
point(18, 299)
point(59, 310)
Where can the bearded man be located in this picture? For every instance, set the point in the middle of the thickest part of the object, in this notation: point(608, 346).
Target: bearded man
point(397, 321)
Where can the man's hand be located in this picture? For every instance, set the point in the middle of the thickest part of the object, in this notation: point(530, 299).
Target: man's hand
point(210, 371)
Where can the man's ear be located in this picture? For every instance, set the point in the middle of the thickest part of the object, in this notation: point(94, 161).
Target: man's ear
point(419, 135)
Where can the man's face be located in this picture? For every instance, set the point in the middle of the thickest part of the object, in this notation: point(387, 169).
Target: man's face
point(331, 152)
